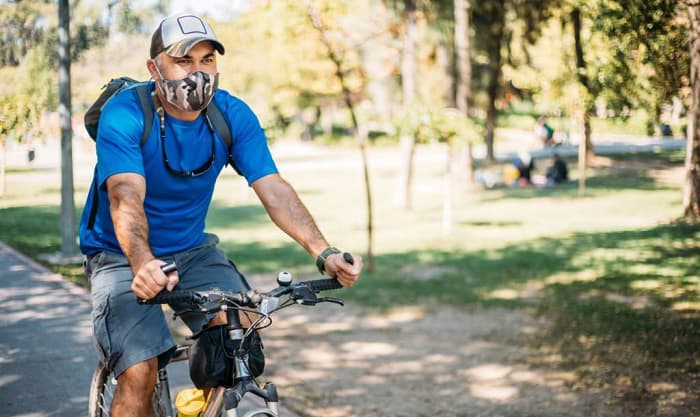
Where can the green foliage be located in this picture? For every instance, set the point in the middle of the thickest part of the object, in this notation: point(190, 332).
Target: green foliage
point(20, 115)
point(428, 124)
point(37, 78)
point(649, 44)
point(278, 63)
point(22, 26)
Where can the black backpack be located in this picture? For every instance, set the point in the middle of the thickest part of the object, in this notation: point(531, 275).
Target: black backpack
point(140, 88)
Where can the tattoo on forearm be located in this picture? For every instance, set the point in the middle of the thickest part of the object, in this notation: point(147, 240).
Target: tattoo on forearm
point(131, 227)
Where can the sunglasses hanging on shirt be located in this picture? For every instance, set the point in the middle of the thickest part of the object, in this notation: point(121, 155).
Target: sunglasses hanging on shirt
point(194, 173)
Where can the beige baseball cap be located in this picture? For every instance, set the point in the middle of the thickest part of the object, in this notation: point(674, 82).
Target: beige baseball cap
point(177, 34)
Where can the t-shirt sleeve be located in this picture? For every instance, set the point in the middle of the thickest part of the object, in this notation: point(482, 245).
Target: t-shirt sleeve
point(119, 137)
point(249, 151)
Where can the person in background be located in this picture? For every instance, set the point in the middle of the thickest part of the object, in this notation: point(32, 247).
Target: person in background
point(558, 171)
point(525, 164)
point(544, 132)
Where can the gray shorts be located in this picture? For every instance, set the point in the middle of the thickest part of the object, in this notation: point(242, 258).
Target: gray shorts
point(126, 332)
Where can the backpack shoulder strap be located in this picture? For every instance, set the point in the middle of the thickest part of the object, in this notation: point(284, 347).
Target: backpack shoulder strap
point(220, 124)
point(223, 128)
point(145, 100)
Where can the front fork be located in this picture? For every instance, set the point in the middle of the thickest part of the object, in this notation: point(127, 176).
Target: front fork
point(230, 398)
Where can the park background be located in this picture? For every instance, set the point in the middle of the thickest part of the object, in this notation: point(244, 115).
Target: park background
point(605, 270)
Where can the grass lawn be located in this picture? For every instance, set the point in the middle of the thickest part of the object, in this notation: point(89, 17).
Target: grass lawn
point(613, 272)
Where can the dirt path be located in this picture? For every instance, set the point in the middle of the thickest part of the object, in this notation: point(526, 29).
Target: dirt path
point(340, 362)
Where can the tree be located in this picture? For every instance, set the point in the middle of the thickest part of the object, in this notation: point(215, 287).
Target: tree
point(495, 23)
point(68, 230)
point(409, 64)
point(691, 194)
point(649, 63)
point(463, 79)
point(589, 92)
point(19, 116)
point(360, 133)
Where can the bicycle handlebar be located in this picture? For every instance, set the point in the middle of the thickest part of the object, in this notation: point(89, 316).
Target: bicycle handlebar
point(247, 299)
point(300, 291)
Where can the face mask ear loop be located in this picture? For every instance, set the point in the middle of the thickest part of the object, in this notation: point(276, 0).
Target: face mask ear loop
point(160, 81)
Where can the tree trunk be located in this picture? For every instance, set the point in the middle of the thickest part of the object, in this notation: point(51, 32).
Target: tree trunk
point(495, 67)
point(587, 135)
point(589, 100)
point(407, 149)
point(462, 52)
point(691, 192)
point(492, 91)
point(582, 153)
point(402, 198)
point(447, 192)
point(68, 230)
point(464, 76)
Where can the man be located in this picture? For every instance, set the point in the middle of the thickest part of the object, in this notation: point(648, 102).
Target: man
point(152, 200)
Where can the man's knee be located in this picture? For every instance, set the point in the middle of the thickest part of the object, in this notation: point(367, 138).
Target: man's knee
point(140, 378)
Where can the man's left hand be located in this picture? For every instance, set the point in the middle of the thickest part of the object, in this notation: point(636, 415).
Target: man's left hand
point(346, 273)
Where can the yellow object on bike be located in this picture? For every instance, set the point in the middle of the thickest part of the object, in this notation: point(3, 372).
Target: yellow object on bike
point(189, 402)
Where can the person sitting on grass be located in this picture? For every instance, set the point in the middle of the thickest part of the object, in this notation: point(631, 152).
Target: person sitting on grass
point(558, 172)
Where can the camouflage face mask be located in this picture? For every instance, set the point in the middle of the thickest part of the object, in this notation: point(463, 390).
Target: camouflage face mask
point(192, 93)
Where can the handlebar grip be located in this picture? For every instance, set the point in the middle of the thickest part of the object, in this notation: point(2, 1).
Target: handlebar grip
point(323, 284)
point(166, 297)
point(168, 268)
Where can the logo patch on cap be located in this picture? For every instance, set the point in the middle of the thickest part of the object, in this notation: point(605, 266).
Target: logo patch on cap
point(191, 24)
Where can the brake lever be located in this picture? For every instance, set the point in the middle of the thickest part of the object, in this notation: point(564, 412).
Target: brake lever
point(303, 295)
point(331, 300)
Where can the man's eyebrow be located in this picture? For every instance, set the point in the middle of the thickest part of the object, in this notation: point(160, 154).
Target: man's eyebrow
point(188, 56)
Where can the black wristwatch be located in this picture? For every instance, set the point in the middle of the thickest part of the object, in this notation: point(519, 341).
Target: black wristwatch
point(321, 260)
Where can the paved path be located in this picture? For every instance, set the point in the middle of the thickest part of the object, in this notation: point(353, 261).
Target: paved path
point(46, 349)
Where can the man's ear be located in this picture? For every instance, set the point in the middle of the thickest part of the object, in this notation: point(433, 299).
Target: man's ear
point(151, 66)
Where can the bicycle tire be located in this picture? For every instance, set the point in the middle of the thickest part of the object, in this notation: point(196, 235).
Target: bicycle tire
point(259, 413)
point(102, 390)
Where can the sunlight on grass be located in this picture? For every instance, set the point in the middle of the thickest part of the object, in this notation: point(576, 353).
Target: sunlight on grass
point(647, 285)
point(686, 306)
point(586, 275)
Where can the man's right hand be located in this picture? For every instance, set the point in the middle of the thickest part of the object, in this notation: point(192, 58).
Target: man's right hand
point(150, 279)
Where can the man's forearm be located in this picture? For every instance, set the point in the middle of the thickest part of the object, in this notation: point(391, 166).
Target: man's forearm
point(130, 224)
point(131, 229)
point(289, 214)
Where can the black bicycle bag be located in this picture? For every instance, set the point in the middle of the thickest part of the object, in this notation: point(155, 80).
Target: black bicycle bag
point(211, 360)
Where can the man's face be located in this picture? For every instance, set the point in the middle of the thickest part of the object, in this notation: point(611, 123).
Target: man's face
point(202, 57)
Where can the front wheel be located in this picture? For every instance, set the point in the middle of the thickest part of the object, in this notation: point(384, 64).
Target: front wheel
point(102, 389)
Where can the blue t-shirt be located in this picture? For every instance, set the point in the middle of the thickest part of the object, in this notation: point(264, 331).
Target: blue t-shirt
point(175, 206)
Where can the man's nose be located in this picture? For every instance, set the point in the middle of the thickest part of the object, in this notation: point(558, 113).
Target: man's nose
point(196, 66)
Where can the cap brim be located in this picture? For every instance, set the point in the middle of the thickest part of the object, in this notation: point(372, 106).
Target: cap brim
point(182, 48)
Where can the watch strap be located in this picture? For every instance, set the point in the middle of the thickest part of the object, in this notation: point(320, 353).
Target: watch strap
point(321, 260)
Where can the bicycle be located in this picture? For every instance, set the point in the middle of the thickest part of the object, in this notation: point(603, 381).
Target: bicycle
point(221, 398)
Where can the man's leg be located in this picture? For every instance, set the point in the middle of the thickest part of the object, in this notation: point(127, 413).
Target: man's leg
point(134, 390)
point(129, 337)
